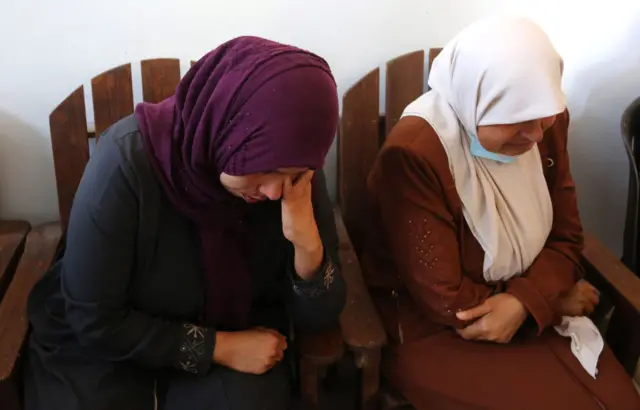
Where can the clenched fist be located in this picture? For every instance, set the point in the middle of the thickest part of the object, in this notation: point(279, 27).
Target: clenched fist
point(253, 351)
point(580, 301)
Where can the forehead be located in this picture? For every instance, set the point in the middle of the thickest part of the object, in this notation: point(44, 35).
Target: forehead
point(291, 171)
point(545, 122)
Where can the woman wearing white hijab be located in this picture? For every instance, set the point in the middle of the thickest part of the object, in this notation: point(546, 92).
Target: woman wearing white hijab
point(477, 238)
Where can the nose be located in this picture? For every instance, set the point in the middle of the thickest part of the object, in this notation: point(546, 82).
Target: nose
point(534, 132)
point(272, 190)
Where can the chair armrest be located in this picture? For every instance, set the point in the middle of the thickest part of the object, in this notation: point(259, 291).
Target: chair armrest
point(40, 248)
point(13, 235)
point(360, 324)
point(605, 271)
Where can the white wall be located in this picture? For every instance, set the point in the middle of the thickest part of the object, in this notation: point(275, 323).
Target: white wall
point(48, 48)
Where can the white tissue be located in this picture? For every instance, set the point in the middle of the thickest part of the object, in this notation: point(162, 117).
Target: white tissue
point(586, 341)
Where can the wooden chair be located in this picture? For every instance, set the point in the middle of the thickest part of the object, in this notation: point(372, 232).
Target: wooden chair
point(360, 328)
point(362, 133)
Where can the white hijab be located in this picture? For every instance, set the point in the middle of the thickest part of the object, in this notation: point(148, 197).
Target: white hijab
point(499, 71)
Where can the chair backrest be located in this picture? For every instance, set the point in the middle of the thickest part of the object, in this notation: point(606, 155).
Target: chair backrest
point(631, 139)
point(363, 130)
point(112, 93)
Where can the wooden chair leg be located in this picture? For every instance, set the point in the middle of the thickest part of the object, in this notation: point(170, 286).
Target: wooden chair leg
point(9, 395)
point(309, 382)
point(368, 361)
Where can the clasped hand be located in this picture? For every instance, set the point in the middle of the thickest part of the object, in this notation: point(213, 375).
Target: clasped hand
point(497, 319)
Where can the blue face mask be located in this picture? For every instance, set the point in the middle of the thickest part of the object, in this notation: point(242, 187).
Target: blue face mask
point(477, 150)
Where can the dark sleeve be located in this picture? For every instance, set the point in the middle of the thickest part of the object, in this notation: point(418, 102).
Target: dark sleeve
point(316, 304)
point(557, 268)
point(97, 271)
point(422, 236)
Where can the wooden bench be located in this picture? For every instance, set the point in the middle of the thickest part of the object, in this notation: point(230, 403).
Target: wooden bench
point(362, 131)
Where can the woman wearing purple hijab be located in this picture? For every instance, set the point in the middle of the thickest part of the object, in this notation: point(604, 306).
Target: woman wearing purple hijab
point(200, 231)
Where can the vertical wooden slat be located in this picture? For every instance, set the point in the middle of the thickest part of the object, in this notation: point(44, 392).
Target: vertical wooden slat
point(405, 81)
point(69, 139)
point(358, 145)
point(433, 53)
point(112, 96)
point(160, 77)
point(12, 237)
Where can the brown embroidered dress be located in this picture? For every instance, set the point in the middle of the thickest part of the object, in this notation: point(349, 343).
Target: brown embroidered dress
point(423, 264)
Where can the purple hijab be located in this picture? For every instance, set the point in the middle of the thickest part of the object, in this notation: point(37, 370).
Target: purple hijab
point(249, 106)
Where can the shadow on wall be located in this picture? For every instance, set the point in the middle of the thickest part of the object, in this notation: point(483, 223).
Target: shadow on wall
point(24, 148)
point(601, 92)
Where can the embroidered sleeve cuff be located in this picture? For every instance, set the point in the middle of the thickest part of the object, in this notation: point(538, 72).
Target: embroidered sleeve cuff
point(533, 301)
point(196, 349)
point(319, 284)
